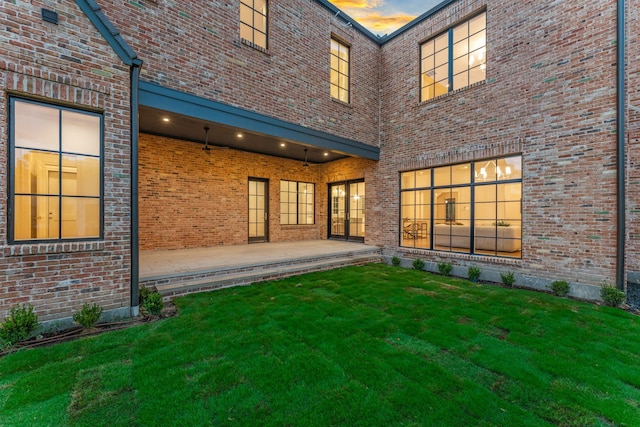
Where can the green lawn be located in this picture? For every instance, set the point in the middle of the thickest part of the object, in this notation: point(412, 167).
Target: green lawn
point(369, 346)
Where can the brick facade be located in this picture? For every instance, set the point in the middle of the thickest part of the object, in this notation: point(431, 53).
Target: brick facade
point(550, 95)
point(67, 64)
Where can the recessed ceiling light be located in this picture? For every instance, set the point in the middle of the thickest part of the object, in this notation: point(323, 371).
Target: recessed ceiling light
point(282, 144)
point(165, 119)
point(239, 135)
point(326, 153)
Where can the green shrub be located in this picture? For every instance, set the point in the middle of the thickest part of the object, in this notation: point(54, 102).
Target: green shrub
point(88, 316)
point(508, 278)
point(445, 268)
point(418, 264)
point(153, 303)
point(143, 294)
point(473, 273)
point(395, 261)
point(611, 295)
point(559, 288)
point(20, 323)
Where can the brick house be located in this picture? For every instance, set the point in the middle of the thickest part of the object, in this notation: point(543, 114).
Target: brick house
point(483, 132)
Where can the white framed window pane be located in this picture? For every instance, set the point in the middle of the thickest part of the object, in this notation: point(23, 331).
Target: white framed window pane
point(36, 126)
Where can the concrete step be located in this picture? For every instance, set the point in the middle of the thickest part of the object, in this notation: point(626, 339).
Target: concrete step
point(200, 281)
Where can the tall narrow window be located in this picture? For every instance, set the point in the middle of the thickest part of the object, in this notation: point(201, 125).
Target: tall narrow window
point(56, 172)
point(454, 59)
point(253, 22)
point(296, 202)
point(339, 71)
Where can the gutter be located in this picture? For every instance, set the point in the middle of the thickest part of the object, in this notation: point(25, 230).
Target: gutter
point(620, 133)
point(135, 246)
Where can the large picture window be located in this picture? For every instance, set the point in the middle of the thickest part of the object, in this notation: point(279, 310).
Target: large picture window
point(454, 59)
point(253, 22)
point(296, 203)
point(339, 71)
point(56, 172)
point(470, 207)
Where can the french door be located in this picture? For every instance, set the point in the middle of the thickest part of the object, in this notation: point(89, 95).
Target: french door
point(346, 207)
point(258, 210)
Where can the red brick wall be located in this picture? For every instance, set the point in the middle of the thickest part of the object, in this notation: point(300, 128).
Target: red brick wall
point(633, 138)
point(190, 198)
point(71, 64)
point(550, 95)
point(195, 47)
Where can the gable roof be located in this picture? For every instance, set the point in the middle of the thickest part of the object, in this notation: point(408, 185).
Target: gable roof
point(94, 12)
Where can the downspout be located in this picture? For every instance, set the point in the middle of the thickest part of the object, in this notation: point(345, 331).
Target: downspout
point(621, 132)
point(135, 256)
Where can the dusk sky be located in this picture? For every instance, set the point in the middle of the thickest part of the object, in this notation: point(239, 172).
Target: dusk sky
point(384, 16)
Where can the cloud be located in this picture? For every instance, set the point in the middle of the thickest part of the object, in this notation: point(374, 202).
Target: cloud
point(357, 4)
point(383, 24)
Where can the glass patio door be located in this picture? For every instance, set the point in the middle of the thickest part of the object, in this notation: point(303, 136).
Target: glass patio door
point(258, 210)
point(346, 207)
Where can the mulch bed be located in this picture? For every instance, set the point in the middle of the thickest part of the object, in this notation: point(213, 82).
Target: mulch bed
point(55, 337)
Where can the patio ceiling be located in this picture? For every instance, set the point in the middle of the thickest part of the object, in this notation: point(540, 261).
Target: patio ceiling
point(173, 125)
point(174, 114)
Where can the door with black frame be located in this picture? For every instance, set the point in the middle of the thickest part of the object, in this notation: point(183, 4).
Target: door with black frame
point(258, 210)
point(346, 207)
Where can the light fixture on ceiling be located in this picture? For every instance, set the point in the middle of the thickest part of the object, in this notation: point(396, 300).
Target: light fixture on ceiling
point(306, 163)
point(499, 173)
point(165, 119)
point(206, 139)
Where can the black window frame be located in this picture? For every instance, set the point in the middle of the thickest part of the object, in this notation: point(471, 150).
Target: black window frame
point(449, 33)
point(298, 202)
point(11, 172)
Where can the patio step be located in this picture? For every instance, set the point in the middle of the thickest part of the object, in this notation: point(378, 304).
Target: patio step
point(199, 281)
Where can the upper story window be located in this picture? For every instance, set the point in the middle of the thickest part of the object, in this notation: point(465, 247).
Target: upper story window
point(253, 22)
point(455, 59)
point(296, 202)
point(339, 71)
point(55, 172)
